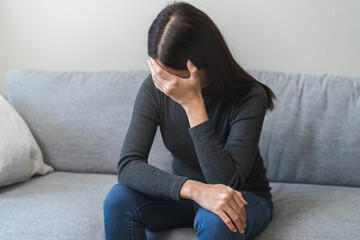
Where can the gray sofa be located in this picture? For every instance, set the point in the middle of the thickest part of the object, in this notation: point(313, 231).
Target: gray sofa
point(310, 144)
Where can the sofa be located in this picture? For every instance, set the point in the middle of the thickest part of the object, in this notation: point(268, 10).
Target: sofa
point(310, 144)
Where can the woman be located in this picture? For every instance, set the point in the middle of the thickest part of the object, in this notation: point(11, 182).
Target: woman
point(210, 112)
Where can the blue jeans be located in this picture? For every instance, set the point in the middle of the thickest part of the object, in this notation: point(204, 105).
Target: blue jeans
point(127, 213)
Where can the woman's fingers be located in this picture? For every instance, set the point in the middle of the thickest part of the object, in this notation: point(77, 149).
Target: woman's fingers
point(238, 211)
point(165, 85)
point(241, 206)
point(233, 204)
point(241, 197)
point(161, 74)
point(244, 213)
point(234, 217)
point(237, 204)
point(227, 220)
point(159, 84)
point(159, 70)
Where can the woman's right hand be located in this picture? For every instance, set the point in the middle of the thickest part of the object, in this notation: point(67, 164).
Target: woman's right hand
point(220, 199)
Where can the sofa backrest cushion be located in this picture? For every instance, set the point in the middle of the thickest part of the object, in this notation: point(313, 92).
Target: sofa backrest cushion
point(80, 118)
point(313, 134)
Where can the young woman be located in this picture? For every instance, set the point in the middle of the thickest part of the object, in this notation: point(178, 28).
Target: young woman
point(210, 112)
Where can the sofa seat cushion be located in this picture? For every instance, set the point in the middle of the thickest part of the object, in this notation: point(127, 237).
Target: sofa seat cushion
point(60, 205)
point(67, 205)
point(309, 211)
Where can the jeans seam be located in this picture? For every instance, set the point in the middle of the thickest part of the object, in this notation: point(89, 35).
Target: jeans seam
point(256, 207)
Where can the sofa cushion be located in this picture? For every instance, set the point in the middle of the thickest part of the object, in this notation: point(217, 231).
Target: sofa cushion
point(66, 205)
point(20, 155)
point(80, 119)
point(60, 205)
point(310, 211)
point(313, 134)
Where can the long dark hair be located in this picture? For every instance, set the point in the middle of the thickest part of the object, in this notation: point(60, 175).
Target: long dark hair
point(181, 32)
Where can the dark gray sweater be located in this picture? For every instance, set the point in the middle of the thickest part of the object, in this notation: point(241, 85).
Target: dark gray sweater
point(223, 149)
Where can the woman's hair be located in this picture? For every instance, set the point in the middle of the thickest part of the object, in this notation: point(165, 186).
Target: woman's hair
point(181, 32)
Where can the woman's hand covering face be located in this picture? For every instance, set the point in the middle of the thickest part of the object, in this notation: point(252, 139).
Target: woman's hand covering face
point(184, 91)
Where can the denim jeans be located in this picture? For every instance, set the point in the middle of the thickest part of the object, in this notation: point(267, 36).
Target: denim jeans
point(127, 213)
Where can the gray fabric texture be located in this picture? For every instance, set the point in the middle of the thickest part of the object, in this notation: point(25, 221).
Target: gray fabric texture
point(79, 119)
point(313, 134)
point(67, 205)
point(20, 155)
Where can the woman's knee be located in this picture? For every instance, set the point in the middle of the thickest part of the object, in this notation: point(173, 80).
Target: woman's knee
point(120, 198)
point(208, 225)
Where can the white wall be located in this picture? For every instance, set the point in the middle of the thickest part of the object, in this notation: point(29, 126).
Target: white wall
point(307, 36)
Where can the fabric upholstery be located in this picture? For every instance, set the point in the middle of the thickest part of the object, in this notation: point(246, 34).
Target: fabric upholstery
point(313, 134)
point(20, 155)
point(313, 128)
point(80, 118)
point(67, 205)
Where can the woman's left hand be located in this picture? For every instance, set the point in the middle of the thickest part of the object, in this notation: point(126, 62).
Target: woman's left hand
point(185, 91)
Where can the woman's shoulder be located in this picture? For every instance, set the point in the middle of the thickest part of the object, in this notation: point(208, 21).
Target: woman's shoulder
point(148, 98)
point(149, 87)
point(149, 83)
point(257, 86)
point(253, 98)
point(253, 90)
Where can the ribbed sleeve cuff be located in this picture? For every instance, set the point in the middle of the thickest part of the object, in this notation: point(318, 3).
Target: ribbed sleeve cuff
point(175, 193)
point(204, 127)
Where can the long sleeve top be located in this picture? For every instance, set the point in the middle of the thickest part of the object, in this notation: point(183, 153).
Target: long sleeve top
point(224, 149)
